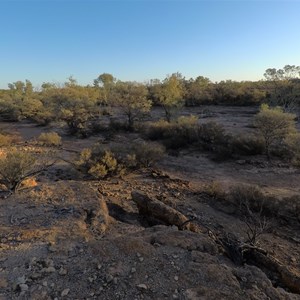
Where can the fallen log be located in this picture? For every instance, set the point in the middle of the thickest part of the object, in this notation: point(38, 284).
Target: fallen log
point(153, 208)
point(287, 277)
point(97, 217)
point(241, 253)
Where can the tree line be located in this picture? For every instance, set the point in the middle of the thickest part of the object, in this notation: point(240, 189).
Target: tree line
point(78, 105)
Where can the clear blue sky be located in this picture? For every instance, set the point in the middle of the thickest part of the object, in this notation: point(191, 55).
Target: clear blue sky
point(138, 40)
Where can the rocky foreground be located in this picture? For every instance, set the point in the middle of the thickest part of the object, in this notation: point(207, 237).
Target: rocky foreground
point(79, 240)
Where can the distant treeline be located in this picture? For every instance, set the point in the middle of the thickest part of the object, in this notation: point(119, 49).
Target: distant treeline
point(75, 104)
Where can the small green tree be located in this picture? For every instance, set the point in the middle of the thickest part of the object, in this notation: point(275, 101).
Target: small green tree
point(20, 102)
point(74, 104)
point(131, 98)
point(273, 124)
point(170, 94)
point(199, 91)
point(105, 83)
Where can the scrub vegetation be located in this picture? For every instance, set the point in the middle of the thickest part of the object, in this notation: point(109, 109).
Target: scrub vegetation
point(102, 185)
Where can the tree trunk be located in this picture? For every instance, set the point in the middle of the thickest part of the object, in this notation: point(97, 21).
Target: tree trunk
point(153, 208)
point(167, 114)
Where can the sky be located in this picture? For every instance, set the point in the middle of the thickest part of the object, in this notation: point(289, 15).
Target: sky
point(50, 40)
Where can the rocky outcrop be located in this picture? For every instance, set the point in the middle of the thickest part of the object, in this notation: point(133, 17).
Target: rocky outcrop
point(153, 208)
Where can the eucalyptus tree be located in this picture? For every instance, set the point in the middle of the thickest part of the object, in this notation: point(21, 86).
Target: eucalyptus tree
point(284, 86)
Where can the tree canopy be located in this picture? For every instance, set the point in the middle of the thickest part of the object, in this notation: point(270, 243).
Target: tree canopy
point(131, 98)
point(284, 86)
point(79, 105)
point(170, 94)
point(273, 124)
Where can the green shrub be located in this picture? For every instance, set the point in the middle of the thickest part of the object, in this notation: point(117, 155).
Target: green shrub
point(16, 165)
point(214, 189)
point(106, 165)
point(187, 122)
point(187, 128)
point(250, 198)
point(159, 130)
point(212, 133)
point(145, 154)
point(99, 162)
point(186, 131)
point(102, 162)
point(247, 145)
point(177, 134)
point(43, 117)
point(213, 137)
point(249, 195)
point(292, 143)
point(49, 139)
point(274, 125)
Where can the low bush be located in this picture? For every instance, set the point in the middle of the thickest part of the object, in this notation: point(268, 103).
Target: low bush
point(102, 162)
point(249, 195)
point(251, 205)
point(16, 165)
point(159, 130)
point(252, 199)
point(49, 139)
point(177, 134)
point(43, 117)
point(212, 133)
point(145, 154)
point(214, 189)
point(106, 165)
point(292, 143)
point(209, 136)
point(247, 145)
point(186, 131)
point(106, 111)
point(213, 138)
point(99, 162)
